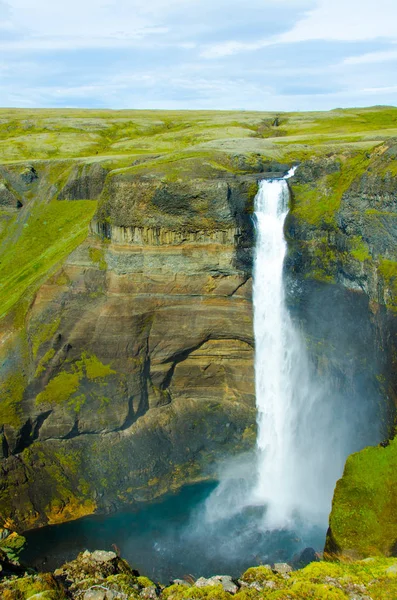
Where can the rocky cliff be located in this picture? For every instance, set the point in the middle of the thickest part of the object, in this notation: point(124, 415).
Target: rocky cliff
point(343, 232)
point(132, 370)
point(125, 302)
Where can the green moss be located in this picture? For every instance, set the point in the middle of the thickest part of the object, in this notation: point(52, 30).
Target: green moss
point(304, 589)
point(318, 205)
point(144, 581)
point(59, 389)
point(26, 587)
point(347, 571)
point(362, 520)
point(384, 590)
point(42, 334)
point(97, 255)
point(388, 270)
point(69, 461)
point(93, 367)
point(37, 243)
point(358, 249)
point(324, 581)
point(123, 583)
point(211, 592)
point(77, 402)
point(12, 545)
point(261, 575)
point(11, 394)
point(44, 361)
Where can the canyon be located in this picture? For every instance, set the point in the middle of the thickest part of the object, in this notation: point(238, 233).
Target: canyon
point(127, 346)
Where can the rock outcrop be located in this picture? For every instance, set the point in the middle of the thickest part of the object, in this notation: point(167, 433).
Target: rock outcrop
point(102, 575)
point(133, 373)
point(343, 238)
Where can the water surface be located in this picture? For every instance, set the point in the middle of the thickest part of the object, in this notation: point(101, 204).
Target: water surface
point(171, 538)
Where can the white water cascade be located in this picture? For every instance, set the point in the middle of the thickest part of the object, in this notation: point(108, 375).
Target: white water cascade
point(290, 460)
point(305, 429)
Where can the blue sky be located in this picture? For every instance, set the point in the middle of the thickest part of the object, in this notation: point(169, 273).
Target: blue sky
point(198, 54)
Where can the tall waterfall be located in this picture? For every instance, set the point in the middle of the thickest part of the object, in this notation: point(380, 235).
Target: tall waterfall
point(290, 457)
point(278, 498)
point(307, 425)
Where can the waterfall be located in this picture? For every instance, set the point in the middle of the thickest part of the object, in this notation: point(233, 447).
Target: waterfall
point(290, 460)
point(275, 352)
point(306, 424)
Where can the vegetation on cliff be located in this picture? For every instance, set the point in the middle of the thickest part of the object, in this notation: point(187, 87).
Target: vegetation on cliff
point(76, 311)
point(102, 575)
point(38, 240)
point(363, 518)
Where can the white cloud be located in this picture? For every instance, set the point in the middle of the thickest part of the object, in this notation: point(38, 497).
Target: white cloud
point(66, 42)
point(156, 54)
point(371, 57)
point(333, 20)
point(346, 20)
point(84, 23)
point(391, 89)
point(229, 48)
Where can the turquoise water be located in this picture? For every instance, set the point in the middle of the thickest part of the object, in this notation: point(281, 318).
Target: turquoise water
point(171, 538)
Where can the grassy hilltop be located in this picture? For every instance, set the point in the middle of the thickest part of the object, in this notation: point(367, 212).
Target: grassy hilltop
point(172, 145)
point(116, 136)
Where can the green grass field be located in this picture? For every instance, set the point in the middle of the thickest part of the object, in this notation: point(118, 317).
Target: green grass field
point(117, 135)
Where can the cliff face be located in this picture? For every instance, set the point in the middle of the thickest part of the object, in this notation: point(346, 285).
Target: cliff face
point(343, 259)
point(133, 371)
point(125, 301)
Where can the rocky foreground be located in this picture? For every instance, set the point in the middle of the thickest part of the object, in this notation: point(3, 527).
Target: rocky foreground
point(103, 575)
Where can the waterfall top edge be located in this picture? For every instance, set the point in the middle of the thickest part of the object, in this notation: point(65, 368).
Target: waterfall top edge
point(288, 175)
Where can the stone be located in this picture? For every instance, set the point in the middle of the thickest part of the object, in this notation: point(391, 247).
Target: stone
point(203, 582)
point(95, 594)
point(7, 196)
point(282, 568)
point(29, 175)
point(101, 556)
point(227, 583)
point(256, 586)
point(392, 570)
point(169, 308)
point(270, 584)
point(149, 593)
point(85, 183)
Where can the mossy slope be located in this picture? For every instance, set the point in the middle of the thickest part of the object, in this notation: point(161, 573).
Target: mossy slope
point(363, 518)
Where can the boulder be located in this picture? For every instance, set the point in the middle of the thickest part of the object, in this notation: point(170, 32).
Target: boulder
point(29, 175)
point(282, 568)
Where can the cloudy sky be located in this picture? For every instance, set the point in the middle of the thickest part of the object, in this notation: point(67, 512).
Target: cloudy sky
point(210, 54)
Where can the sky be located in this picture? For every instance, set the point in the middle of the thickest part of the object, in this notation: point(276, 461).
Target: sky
point(198, 54)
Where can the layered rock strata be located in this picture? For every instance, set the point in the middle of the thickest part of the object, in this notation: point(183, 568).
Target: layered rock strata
point(135, 365)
